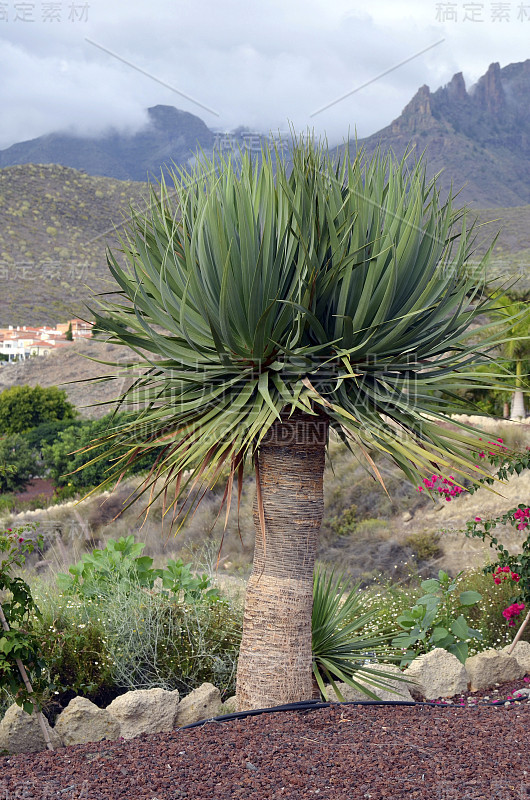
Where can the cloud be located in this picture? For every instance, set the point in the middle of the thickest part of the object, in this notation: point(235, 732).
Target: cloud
point(263, 65)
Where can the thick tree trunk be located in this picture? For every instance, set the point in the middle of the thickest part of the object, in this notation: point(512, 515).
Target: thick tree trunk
point(275, 658)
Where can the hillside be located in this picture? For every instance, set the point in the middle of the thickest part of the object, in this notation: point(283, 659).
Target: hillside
point(479, 138)
point(511, 256)
point(65, 368)
point(55, 223)
point(169, 135)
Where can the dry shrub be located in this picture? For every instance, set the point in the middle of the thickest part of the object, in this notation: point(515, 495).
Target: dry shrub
point(425, 546)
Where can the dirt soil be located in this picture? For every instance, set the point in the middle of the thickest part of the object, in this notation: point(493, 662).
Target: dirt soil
point(344, 752)
point(450, 519)
point(36, 488)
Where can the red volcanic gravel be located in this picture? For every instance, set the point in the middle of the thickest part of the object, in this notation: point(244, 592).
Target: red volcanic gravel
point(344, 752)
point(36, 488)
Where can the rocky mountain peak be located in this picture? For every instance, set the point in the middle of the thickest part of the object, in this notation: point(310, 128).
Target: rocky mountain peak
point(456, 88)
point(488, 93)
point(480, 136)
point(417, 115)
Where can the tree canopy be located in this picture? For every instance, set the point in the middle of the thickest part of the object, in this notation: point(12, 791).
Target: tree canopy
point(250, 289)
point(25, 407)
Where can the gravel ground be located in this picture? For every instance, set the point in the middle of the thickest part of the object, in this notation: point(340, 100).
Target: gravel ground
point(344, 752)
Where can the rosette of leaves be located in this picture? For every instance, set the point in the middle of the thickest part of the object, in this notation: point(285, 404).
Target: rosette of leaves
point(342, 648)
point(252, 289)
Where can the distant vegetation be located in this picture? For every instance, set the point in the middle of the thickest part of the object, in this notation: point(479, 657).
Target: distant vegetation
point(61, 458)
point(26, 407)
point(40, 434)
point(55, 223)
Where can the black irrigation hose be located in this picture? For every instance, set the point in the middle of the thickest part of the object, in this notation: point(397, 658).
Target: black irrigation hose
point(311, 705)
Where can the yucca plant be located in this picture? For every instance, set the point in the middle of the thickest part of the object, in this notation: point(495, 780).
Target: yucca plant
point(340, 642)
point(266, 304)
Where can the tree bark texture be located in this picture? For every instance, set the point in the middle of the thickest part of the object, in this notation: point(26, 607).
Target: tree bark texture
point(275, 662)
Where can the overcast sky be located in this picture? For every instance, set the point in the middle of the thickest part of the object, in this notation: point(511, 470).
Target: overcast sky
point(259, 63)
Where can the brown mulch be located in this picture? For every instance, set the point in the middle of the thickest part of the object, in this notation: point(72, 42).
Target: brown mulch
point(36, 488)
point(344, 752)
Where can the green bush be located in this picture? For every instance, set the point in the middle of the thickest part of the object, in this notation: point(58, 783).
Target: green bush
point(7, 502)
point(132, 637)
point(425, 546)
point(111, 628)
point(437, 620)
point(156, 640)
point(487, 615)
point(121, 562)
point(72, 469)
point(16, 454)
point(47, 432)
point(73, 647)
point(25, 407)
point(345, 523)
point(19, 646)
point(392, 601)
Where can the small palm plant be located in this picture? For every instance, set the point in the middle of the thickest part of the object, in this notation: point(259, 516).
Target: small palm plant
point(340, 641)
point(266, 304)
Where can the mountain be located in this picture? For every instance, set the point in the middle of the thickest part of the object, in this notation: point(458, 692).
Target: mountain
point(480, 138)
point(56, 221)
point(170, 135)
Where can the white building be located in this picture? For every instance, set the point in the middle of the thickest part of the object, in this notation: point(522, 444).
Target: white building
point(20, 342)
point(16, 349)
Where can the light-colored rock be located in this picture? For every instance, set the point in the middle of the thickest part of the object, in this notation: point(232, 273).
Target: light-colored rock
point(202, 703)
point(229, 706)
point(82, 721)
point(145, 711)
point(521, 653)
point(490, 667)
point(406, 516)
point(437, 674)
point(21, 732)
point(400, 689)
